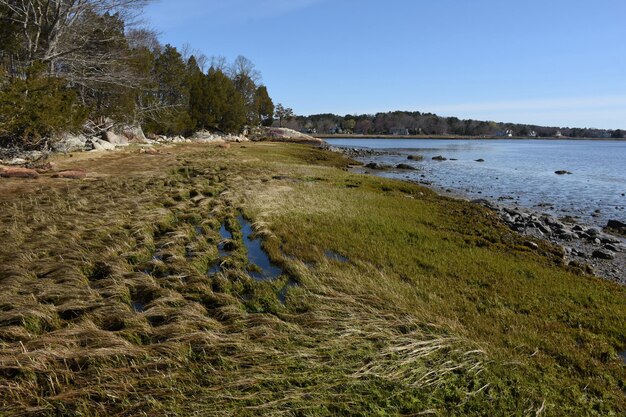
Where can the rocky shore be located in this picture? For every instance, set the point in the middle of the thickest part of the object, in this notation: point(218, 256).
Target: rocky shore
point(601, 252)
point(588, 247)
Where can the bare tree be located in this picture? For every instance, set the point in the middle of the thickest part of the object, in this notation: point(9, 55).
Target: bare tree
point(243, 67)
point(59, 33)
point(219, 62)
point(187, 51)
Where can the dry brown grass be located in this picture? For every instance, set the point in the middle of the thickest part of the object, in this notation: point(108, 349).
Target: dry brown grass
point(106, 307)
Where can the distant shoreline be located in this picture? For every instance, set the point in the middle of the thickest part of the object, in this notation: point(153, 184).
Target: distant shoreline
point(454, 137)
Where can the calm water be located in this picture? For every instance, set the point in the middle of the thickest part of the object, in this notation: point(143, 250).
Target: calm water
point(518, 172)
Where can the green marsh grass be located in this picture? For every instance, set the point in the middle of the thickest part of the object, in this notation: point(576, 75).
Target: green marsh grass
point(438, 308)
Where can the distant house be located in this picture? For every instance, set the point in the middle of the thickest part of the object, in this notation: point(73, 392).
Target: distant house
point(507, 133)
point(532, 134)
point(558, 134)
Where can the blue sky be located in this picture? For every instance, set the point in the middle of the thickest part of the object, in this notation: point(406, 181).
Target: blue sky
point(549, 62)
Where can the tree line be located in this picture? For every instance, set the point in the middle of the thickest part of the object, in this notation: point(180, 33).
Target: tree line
point(416, 123)
point(70, 65)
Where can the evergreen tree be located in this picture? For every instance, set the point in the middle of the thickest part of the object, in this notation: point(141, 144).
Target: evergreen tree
point(198, 95)
point(226, 106)
point(171, 95)
point(264, 106)
point(34, 109)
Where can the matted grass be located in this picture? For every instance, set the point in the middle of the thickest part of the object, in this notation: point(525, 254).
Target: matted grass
point(396, 301)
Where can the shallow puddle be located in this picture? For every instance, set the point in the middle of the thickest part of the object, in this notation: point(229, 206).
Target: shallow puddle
point(334, 256)
point(256, 254)
point(225, 233)
point(223, 249)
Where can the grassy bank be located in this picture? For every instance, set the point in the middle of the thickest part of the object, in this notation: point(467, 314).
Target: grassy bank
point(396, 301)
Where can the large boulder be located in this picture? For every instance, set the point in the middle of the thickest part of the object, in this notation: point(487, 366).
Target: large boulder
point(114, 138)
point(101, 145)
point(71, 143)
point(134, 134)
point(616, 226)
point(277, 134)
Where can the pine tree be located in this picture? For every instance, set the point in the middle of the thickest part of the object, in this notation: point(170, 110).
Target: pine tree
point(226, 106)
point(264, 106)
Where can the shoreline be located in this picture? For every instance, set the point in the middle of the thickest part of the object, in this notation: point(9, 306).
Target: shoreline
point(453, 137)
point(577, 239)
point(145, 266)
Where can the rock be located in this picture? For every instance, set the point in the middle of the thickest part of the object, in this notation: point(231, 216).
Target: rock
point(562, 172)
point(75, 174)
point(134, 134)
point(114, 138)
point(415, 158)
point(439, 158)
point(101, 145)
point(224, 145)
point(17, 161)
point(16, 172)
point(592, 231)
point(149, 151)
point(611, 247)
point(617, 226)
point(603, 254)
point(545, 229)
point(565, 235)
point(283, 135)
point(374, 165)
point(480, 160)
point(609, 239)
point(406, 166)
point(70, 143)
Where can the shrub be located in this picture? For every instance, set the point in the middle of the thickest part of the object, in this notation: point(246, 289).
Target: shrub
point(32, 110)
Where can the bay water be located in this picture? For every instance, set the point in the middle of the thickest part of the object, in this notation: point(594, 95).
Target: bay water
point(515, 172)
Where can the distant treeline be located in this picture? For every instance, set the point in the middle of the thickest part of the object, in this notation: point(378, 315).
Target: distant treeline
point(416, 123)
point(76, 65)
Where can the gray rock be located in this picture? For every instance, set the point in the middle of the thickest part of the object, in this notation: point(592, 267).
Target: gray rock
point(615, 224)
point(592, 231)
point(71, 143)
point(439, 158)
point(114, 138)
point(545, 229)
point(101, 145)
point(374, 165)
point(406, 166)
point(562, 172)
point(609, 239)
point(603, 254)
point(611, 247)
point(16, 161)
point(135, 134)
